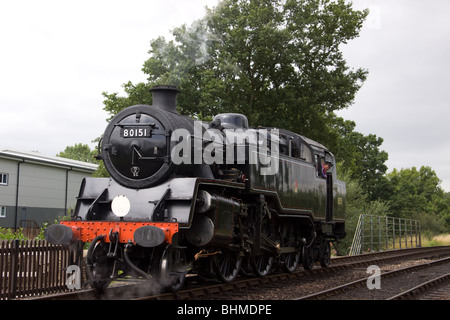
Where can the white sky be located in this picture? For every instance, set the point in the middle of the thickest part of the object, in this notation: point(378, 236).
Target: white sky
point(56, 58)
point(405, 45)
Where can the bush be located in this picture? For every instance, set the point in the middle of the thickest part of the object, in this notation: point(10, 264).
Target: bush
point(8, 234)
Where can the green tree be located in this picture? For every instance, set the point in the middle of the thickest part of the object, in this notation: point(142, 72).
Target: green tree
point(417, 194)
point(80, 152)
point(444, 207)
point(361, 157)
point(136, 94)
point(413, 190)
point(277, 62)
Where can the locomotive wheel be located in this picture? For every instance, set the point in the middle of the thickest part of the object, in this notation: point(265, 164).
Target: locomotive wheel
point(325, 254)
point(99, 266)
point(308, 257)
point(173, 268)
point(246, 268)
point(228, 265)
point(263, 263)
point(292, 259)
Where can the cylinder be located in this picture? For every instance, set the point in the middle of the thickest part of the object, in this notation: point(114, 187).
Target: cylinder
point(201, 231)
point(214, 220)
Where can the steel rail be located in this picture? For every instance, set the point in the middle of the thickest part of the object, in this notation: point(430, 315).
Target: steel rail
point(220, 289)
point(417, 290)
point(351, 285)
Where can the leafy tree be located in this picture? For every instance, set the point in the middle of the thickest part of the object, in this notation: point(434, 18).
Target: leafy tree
point(80, 152)
point(136, 94)
point(413, 190)
point(361, 157)
point(417, 194)
point(444, 207)
point(278, 62)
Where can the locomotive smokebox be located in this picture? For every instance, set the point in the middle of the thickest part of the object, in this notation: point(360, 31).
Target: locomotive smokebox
point(165, 97)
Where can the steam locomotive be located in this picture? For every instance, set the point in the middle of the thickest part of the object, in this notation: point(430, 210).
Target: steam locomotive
point(215, 199)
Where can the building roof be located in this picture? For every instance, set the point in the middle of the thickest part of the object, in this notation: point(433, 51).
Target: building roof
point(34, 157)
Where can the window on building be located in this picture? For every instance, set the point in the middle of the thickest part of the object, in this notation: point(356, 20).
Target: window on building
point(3, 179)
point(2, 211)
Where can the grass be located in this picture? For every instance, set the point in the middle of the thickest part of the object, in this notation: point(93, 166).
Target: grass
point(439, 240)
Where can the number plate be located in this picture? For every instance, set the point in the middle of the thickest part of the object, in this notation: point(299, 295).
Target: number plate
point(135, 132)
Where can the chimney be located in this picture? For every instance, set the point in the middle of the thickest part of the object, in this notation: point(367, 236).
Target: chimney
point(165, 97)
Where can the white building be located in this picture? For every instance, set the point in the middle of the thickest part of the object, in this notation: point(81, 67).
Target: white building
point(35, 189)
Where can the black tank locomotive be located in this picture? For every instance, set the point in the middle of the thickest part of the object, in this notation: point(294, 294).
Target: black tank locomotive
point(175, 205)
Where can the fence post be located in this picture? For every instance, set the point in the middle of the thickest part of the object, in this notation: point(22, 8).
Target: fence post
point(393, 233)
point(357, 238)
point(363, 234)
point(14, 268)
point(379, 233)
point(371, 233)
point(419, 233)
point(387, 233)
point(410, 232)
point(406, 234)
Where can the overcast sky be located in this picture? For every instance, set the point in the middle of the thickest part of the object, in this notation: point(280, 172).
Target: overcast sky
point(405, 45)
point(57, 57)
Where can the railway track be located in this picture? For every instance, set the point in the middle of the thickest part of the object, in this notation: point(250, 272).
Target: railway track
point(398, 284)
point(246, 288)
point(243, 288)
point(435, 289)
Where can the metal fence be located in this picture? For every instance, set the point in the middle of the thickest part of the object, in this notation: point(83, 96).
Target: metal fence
point(33, 267)
point(378, 233)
